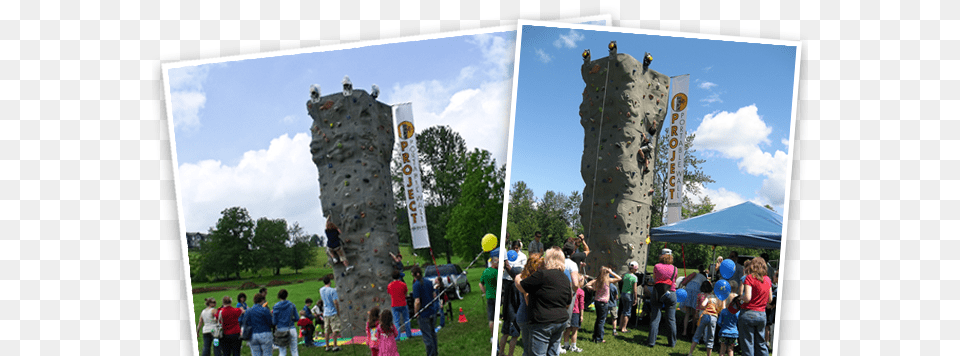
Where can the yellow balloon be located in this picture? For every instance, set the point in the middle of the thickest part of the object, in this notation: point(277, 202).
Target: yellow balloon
point(489, 242)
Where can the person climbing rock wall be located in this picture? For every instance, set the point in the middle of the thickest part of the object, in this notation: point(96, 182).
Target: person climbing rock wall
point(624, 104)
point(352, 146)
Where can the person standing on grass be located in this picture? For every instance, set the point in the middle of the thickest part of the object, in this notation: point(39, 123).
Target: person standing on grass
point(423, 296)
point(549, 295)
point(284, 318)
point(753, 318)
point(488, 286)
point(601, 286)
point(628, 296)
point(572, 271)
point(709, 309)
point(727, 323)
point(331, 311)
point(534, 262)
point(577, 320)
point(398, 304)
point(258, 319)
point(206, 324)
point(691, 283)
point(387, 335)
point(664, 299)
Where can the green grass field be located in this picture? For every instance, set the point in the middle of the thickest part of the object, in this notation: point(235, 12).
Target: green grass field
point(471, 338)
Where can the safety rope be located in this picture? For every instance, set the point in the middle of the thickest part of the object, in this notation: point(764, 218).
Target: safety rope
point(455, 280)
point(593, 193)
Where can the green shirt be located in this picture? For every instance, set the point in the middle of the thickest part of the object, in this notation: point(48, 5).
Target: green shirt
point(629, 280)
point(489, 280)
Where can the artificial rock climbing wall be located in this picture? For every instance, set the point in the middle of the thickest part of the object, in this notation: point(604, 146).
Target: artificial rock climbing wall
point(351, 146)
point(623, 108)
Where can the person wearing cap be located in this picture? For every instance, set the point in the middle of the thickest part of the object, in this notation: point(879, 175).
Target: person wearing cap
point(488, 285)
point(664, 299)
point(628, 297)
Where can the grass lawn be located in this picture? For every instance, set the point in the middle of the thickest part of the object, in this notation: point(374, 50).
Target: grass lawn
point(471, 338)
point(631, 343)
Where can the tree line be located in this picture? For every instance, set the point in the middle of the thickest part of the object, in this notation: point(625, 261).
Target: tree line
point(238, 243)
point(463, 193)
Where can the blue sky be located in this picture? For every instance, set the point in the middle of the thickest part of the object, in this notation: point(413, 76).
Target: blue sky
point(241, 126)
point(741, 100)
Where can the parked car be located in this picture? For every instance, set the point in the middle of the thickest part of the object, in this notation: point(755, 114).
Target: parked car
point(453, 277)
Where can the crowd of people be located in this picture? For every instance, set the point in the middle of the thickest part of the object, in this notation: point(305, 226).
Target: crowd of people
point(546, 294)
point(223, 330)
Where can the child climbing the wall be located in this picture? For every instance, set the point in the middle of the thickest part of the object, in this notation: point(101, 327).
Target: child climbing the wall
point(709, 307)
point(335, 246)
point(373, 321)
point(387, 334)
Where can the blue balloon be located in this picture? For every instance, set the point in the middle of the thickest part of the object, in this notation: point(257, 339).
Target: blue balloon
point(512, 255)
point(722, 289)
point(681, 295)
point(728, 268)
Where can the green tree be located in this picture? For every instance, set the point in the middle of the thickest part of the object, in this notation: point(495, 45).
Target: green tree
point(480, 208)
point(226, 250)
point(270, 243)
point(301, 251)
point(693, 176)
point(521, 216)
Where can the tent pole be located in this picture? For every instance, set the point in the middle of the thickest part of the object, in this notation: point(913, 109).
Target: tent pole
point(713, 259)
point(684, 256)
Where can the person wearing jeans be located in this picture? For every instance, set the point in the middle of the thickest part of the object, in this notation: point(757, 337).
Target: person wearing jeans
point(258, 319)
point(545, 338)
point(753, 317)
point(424, 296)
point(398, 302)
point(284, 315)
point(668, 306)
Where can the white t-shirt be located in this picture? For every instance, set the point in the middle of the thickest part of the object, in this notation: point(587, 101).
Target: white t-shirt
point(208, 320)
point(569, 267)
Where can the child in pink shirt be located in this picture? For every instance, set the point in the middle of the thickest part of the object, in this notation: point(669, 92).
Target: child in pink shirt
point(387, 335)
point(373, 323)
point(577, 318)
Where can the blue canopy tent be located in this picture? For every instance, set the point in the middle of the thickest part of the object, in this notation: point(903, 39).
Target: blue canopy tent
point(744, 225)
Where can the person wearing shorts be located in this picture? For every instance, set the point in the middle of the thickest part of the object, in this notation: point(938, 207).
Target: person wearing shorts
point(488, 285)
point(331, 313)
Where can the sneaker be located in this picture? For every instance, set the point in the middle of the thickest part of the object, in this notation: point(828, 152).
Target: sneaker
point(349, 268)
point(576, 349)
point(335, 349)
point(563, 350)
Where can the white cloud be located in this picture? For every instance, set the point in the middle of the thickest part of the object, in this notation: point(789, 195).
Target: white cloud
point(476, 104)
point(187, 96)
point(707, 85)
point(543, 56)
point(740, 136)
point(277, 182)
point(721, 198)
point(186, 108)
point(712, 98)
point(569, 40)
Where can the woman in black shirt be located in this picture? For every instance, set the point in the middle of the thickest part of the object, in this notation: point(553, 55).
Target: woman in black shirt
point(550, 293)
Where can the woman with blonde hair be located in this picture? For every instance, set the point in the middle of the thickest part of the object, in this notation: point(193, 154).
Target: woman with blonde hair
point(549, 294)
point(664, 298)
point(753, 317)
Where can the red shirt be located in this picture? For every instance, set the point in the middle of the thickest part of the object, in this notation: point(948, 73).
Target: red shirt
point(759, 293)
point(304, 322)
point(398, 293)
point(230, 320)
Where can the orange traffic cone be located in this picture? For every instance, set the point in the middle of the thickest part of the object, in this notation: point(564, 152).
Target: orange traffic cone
point(463, 318)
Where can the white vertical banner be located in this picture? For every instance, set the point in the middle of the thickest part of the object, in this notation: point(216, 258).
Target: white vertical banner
point(410, 166)
point(676, 150)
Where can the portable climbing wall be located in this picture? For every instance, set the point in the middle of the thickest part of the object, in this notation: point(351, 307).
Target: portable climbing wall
point(351, 146)
point(624, 104)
